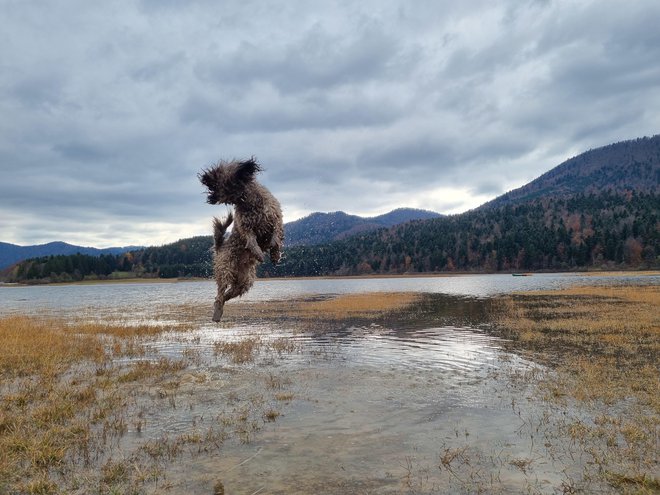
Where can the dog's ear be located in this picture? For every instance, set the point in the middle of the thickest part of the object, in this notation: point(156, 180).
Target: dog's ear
point(208, 178)
point(247, 169)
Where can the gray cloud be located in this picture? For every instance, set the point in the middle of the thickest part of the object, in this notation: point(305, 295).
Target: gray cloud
point(108, 113)
point(315, 60)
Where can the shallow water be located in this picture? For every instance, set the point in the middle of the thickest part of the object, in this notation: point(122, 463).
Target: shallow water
point(373, 408)
point(363, 407)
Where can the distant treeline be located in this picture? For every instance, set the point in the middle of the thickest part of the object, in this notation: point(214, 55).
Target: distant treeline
point(185, 258)
point(604, 230)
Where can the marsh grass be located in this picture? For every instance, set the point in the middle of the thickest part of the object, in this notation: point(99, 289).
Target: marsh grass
point(603, 345)
point(241, 351)
point(607, 338)
point(357, 305)
point(372, 305)
point(144, 370)
point(40, 424)
point(70, 390)
point(43, 347)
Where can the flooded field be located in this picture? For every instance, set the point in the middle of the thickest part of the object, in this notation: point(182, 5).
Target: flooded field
point(343, 386)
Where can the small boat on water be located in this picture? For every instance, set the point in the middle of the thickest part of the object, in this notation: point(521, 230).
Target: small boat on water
point(521, 274)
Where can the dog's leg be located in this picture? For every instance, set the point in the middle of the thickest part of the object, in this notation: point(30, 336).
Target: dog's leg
point(275, 250)
point(221, 263)
point(252, 245)
point(276, 245)
point(236, 291)
point(241, 283)
point(218, 309)
point(219, 303)
point(221, 273)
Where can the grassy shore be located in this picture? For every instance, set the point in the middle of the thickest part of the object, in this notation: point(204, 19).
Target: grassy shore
point(603, 345)
point(70, 392)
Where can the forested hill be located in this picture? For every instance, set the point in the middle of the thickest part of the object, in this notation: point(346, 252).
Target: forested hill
point(620, 167)
point(11, 253)
point(612, 220)
point(604, 230)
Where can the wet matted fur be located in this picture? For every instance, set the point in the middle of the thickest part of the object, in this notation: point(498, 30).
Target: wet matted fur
point(258, 227)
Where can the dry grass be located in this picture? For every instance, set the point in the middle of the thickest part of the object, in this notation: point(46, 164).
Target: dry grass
point(357, 305)
point(347, 306)
point(61, 398)
point(609, 337)
point(604, 345)
point(41, 425)
point(44, 347)
point(623, 273)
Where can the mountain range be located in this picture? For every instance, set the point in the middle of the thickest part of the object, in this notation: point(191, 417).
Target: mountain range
point(316, 228)
point(13, 253)
point(319, 228)
point(598, 209)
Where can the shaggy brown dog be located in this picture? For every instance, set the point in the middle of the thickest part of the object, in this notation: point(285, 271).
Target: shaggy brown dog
point(258, 227)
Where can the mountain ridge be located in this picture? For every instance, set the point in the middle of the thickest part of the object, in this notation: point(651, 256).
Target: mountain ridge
point(318, 227)
point(350, 225)
point(14, 253)
point(632, 165)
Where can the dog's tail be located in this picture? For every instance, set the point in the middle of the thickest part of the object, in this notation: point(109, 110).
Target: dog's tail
point(219, 229)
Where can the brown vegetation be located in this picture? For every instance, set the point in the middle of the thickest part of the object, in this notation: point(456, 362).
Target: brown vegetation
point(71, 390)
point(604, 345)
point(373, 305)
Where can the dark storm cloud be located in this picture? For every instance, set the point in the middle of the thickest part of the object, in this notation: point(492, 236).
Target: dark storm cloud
point(109, 111)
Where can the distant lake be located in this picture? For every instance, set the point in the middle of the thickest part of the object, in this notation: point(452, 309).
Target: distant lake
point(138, 296)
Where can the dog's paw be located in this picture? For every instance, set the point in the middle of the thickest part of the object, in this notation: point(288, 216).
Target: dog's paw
point(256, 252)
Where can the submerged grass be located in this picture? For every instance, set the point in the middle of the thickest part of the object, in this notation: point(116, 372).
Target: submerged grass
point(239, 352)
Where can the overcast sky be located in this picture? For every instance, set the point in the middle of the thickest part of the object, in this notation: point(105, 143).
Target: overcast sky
point(108, 110)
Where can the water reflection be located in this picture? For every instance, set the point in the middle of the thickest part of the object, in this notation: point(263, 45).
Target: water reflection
point(435, 348)
point(371, 401)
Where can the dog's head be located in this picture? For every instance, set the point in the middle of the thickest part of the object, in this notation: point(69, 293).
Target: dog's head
point(226, 181)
